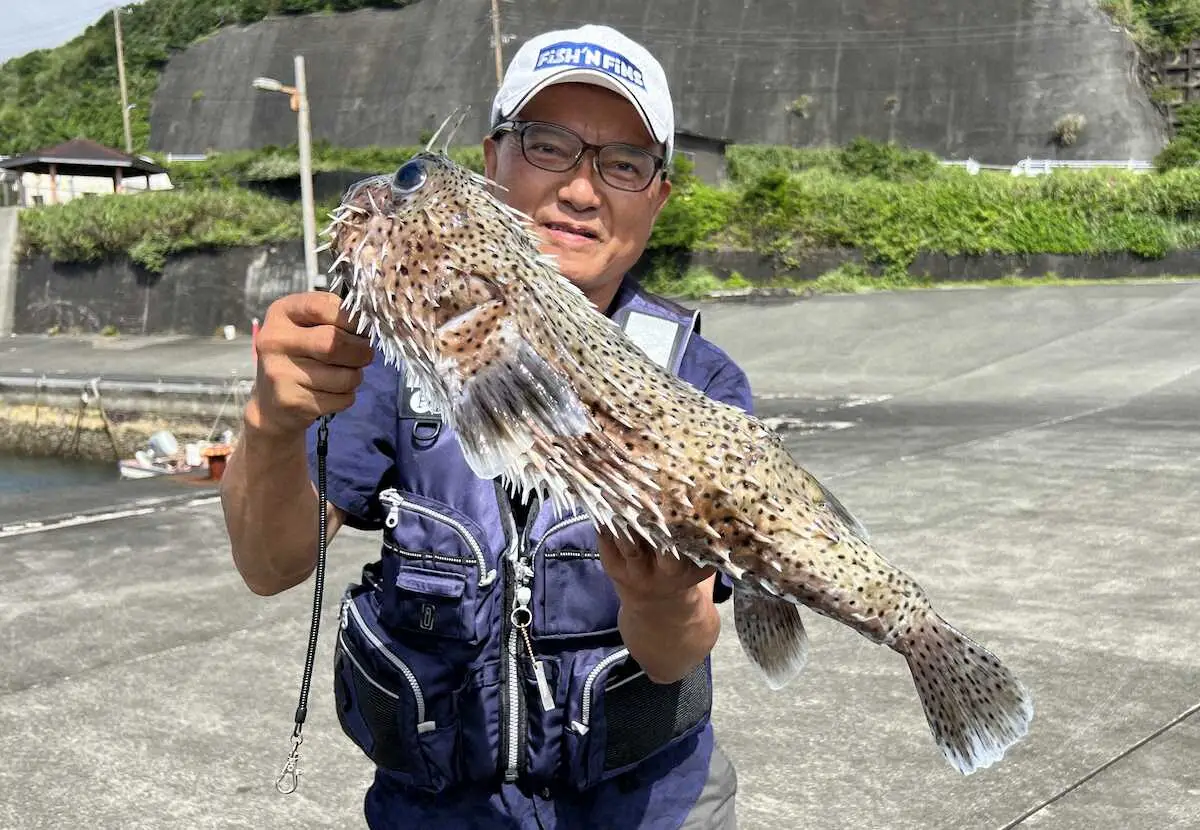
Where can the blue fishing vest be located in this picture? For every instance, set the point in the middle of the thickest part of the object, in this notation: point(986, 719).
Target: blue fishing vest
point(434, 679)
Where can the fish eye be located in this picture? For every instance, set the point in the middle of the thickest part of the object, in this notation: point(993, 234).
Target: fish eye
point(409, 178)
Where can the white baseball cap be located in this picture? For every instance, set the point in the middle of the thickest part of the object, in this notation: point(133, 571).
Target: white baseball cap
point(590, 54)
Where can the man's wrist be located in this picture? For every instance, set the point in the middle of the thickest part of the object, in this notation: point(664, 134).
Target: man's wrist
point(263, 431)
point(679, 606)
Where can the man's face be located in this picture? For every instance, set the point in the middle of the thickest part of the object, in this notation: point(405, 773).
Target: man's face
point(595, 231)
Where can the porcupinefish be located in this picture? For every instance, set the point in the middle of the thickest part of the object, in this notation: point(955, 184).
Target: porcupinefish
point(547, 393)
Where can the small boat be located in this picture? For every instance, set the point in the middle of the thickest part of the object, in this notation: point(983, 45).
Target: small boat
point(161, 457)
point(144, 466)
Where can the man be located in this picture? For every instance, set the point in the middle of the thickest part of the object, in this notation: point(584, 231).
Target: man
point(502, 665)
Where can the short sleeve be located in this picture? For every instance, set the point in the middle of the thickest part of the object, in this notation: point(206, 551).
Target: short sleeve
point(362, 447)
point(730, 385)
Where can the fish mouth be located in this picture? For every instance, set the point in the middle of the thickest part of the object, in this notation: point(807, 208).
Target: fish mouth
point(571, 228)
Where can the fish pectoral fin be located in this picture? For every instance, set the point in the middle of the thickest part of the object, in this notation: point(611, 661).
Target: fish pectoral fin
point(771, 634)
point(839, 510)
point(505, 392)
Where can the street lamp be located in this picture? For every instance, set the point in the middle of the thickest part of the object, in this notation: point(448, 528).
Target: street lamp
point(299, 102)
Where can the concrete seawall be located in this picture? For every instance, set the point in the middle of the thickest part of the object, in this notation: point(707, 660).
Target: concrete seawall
point(100, 398)
point(104, 419)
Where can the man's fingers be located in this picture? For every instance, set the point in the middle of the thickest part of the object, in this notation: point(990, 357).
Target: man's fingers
point(316, 308)
point(325, 343)
point(309, 404)
point(626, 548)
point(346, 349)
point(320, 377)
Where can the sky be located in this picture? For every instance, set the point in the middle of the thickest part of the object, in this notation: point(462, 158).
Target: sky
point(26, 25)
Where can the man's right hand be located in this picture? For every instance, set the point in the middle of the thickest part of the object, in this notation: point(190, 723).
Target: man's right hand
point(310, 362)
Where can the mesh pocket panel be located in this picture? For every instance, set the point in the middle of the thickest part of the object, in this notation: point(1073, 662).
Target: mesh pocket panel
point(642, 716)
point(380, 713)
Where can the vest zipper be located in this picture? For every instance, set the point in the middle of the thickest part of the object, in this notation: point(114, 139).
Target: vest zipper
point(392, 498)
point(349, 606)
point(572, 520)
point(405, 553)
point(582, 726)
point(571, 554)
point(519, 597)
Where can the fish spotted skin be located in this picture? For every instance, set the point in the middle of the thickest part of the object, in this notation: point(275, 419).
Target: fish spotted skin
point(549, 394)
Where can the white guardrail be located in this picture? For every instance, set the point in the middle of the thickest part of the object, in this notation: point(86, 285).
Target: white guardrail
point(1040, 167)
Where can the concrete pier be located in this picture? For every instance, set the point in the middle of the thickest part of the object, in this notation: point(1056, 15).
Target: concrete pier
point(1031, 456)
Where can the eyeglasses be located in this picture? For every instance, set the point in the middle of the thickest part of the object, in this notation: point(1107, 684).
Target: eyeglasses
point(557, 149)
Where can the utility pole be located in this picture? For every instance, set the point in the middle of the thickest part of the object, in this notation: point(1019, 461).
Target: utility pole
point(121, 80)
point(299, 103)
point(306, 184)
point(496, 42)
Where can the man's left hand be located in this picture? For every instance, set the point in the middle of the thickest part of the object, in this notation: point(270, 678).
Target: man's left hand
point(642, 574)
point(667, 617)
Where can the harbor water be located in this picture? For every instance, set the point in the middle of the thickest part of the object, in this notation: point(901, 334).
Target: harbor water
point(22, 474)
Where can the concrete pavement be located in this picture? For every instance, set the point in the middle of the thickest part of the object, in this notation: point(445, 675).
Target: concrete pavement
point(1032, 456)
point(155, 358)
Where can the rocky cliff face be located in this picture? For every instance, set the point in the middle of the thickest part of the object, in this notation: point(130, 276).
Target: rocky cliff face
point(987, 78)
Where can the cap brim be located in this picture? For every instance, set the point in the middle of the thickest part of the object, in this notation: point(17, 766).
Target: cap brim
point(595, 78)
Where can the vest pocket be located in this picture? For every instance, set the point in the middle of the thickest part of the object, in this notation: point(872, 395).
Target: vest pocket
point(572, 596)
point(432, 603)
point(437, 575)
point(617, 717)
point(382, 705)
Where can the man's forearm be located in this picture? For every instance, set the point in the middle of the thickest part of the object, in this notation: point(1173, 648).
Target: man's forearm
point(270, 509)
point(671, 636)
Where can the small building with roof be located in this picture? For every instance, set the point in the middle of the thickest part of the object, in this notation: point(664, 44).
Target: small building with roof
point(80, 167)
point(706, 153)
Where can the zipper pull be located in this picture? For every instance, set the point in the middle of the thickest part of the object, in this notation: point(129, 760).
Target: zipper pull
point(393, 500)
point(521, 617)
point(539, 673)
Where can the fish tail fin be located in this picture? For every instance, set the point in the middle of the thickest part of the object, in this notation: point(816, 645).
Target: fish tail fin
point(976, 708)
point(771, 634)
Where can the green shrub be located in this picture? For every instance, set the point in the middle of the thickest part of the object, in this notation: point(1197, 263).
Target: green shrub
point(894, 210)
point(693, 213)
point(1184, 148)
point(236, 168)
point(746, 162)
point(1158, 25)
point(149, 227)
point(863, 157)
point(783, 214)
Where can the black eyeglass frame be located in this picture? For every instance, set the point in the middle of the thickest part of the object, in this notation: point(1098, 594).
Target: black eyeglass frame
point(519, 127)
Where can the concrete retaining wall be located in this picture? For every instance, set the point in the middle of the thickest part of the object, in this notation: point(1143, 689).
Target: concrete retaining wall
point(197, 293)
point(201, 292)
point(987, 79)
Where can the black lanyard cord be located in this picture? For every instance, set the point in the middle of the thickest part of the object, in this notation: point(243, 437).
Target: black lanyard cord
point(289, 779)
